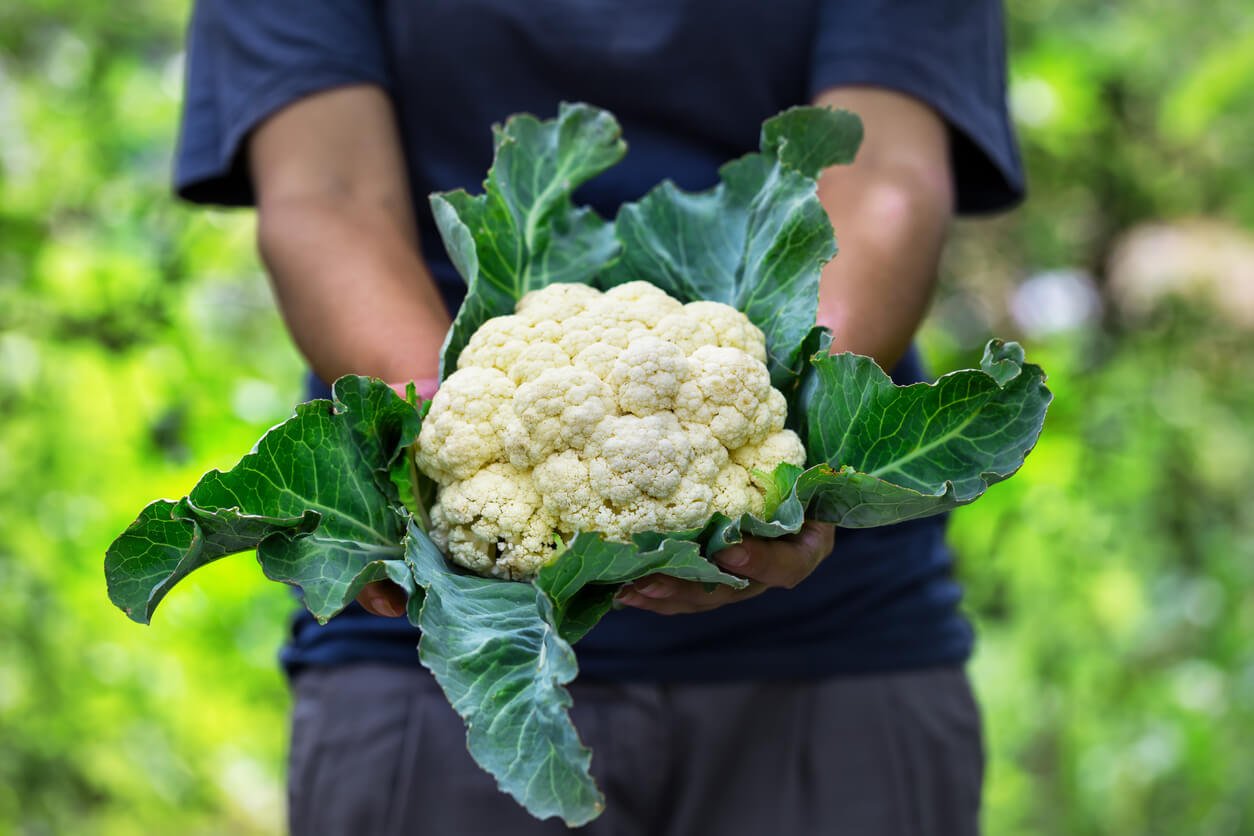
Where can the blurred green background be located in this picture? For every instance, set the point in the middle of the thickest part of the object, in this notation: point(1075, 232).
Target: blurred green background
point(1110, 580)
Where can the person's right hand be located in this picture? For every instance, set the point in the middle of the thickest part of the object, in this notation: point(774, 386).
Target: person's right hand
point(385, 598)
point(778, 563)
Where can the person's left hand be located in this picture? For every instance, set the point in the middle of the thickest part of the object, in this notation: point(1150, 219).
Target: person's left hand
point(782, 563)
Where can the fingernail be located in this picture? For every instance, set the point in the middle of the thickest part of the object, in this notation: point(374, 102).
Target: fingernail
point(732, 558)
point(656, 589)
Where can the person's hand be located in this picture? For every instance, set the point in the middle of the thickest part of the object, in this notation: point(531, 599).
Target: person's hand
point(384, 597)
point(782, 563)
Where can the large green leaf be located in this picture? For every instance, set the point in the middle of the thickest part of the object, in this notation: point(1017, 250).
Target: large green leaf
point(756, 241)
point(892, 453)
point(315, 499)
point(523, 232)
point(495, 651)
point(501, 651)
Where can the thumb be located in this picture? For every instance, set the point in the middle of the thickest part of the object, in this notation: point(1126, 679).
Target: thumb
point(383, 598)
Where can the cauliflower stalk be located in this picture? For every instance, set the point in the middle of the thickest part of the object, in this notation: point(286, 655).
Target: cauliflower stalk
point(617, 412)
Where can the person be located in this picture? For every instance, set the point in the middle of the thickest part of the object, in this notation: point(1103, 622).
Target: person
point(830, 696)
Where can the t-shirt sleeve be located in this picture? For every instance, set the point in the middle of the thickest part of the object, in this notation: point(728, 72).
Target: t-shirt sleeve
point(247, 59)
point(951, 55)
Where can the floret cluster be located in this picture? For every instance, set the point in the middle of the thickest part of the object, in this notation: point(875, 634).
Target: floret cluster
point(616, 412)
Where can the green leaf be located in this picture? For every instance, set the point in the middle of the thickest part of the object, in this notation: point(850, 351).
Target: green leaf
point(901, 452)
point(501, 651)
point(582, 580)
point(756, 241)
point(783, 478)
point(315, 499)
point(167, 542)
point(414, 490)
point(523, 232)
point(809, 142)
point(494, 649)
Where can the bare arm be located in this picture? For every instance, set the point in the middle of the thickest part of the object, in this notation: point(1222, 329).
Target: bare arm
point(890, 210)
point(336, 232)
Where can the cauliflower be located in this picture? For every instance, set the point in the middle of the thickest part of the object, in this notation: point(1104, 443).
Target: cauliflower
point(616, 412)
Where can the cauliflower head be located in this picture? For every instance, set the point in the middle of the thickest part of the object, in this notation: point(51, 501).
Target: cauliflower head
point(617, 412)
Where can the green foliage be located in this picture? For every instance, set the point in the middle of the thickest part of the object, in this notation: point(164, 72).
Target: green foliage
point(504, 674)
point(1110, 581)
point(1127, 112)
point(138, 347)
point(523, 233)
point(315, 500)
point(904, 452)
point(756, 241)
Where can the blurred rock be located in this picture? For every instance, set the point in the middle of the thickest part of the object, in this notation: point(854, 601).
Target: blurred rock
point(1200, 260)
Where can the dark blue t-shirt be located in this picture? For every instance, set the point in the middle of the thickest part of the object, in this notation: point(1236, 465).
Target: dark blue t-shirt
point(691, 82)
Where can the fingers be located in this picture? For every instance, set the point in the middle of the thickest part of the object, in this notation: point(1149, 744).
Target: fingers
point(383, 598)
point(780, 563)
point(766, 563)
point(785, 562)
point(671, 596)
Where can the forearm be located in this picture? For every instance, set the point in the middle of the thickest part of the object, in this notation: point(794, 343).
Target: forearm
point(352, 287)
point(336, 231)
point(890, 210)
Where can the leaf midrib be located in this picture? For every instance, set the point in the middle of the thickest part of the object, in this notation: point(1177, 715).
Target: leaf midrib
point(333, 513)
point(926, 448)
point(556, 183)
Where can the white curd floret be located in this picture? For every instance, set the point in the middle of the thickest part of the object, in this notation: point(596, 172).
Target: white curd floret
point(617, 412)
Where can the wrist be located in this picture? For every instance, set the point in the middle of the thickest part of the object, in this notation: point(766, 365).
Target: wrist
point(394, 351)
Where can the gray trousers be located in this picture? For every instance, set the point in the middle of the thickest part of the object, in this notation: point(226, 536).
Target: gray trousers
point(377, 750)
